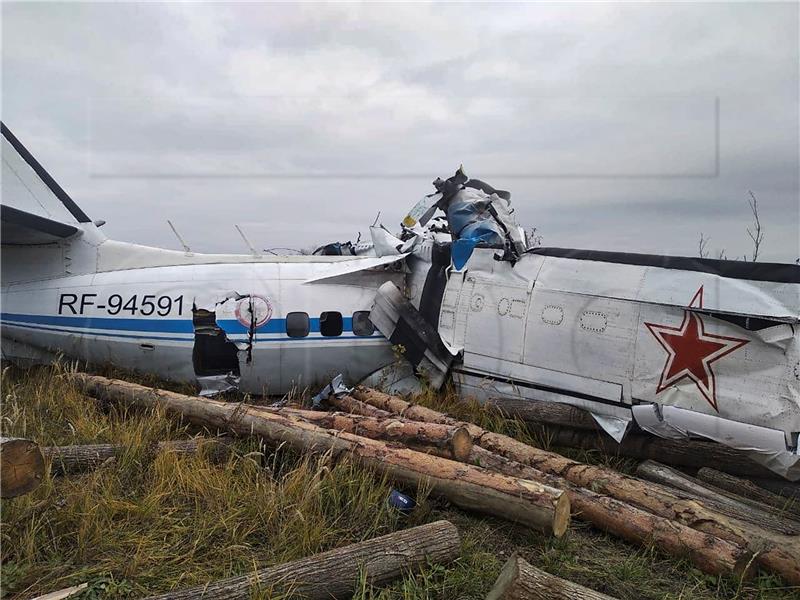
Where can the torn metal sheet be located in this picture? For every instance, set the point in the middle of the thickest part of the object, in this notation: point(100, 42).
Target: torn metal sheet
point(422, 211)
point(765, 446)
point(335, 388)
point(478, 215)
point(418, 341)
point(211, 385)
point(397, 378)
point(214, 356)
point(616, 427)
point(386, 244)
point(331, 272)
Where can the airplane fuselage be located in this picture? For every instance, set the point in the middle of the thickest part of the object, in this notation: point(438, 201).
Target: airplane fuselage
point(262, 322)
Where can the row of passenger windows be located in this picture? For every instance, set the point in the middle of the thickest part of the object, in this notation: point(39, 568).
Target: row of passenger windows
point(331, 324)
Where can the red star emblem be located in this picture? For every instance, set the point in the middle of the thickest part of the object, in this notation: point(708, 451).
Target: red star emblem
point(691, 351)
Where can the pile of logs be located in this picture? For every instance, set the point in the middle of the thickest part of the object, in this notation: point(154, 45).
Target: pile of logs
point(500, 476)
point(721, 523)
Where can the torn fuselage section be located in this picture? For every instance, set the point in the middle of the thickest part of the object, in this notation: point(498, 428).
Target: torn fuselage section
point(214, 357)
point(639, 341)
point(478, 215)
point(217, 359)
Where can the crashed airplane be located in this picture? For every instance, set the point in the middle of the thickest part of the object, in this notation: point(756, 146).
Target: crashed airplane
point(678, 347)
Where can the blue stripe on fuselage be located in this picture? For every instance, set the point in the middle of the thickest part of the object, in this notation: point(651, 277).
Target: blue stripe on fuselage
point(163, 325)
point(159, 325)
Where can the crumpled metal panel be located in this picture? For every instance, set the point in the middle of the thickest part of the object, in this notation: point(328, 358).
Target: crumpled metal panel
point(765, 446)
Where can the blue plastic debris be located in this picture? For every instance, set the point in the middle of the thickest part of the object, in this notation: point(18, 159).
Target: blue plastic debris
point(405, 504)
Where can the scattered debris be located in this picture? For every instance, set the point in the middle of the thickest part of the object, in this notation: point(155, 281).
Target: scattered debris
point(402, 502)
point(524, 484)
point(682, 348)
point(774, 552)
point(65, 593)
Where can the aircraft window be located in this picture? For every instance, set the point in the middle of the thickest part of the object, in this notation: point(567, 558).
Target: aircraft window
point(297, 324)
point(330, 324)
point(361, 323)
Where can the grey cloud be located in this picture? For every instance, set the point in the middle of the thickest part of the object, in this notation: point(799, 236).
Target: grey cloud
point(259, 89)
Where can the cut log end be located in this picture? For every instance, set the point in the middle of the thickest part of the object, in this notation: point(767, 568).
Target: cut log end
point(561, 519)
point(22, 467)
point(461, 444)
point(507, 578)
point(521, 581)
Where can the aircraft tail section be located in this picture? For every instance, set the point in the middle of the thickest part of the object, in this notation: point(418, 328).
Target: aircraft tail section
point(44, 233)
point(29, 187)
point(35, 208)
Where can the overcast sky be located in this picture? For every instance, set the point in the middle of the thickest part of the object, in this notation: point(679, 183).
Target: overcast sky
point(615, 126)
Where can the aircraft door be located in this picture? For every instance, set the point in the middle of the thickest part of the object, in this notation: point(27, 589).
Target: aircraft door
point(455, 309)
point(495, 314)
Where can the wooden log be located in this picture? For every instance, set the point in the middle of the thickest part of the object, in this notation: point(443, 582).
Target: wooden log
point(519, 580)
point(455, 439)
point(747, 490)
point(721, 501)
point(708, 553)
point(680, 453)
point(335, 574)
point(350, 405)
point(65, 593)
point(545, 413)
point(22, 467)
point(789, 489)
point(777, 553)
point(538, 506)
point(76, 459)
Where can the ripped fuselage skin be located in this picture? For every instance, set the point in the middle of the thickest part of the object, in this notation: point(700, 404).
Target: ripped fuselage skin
point(678, 347)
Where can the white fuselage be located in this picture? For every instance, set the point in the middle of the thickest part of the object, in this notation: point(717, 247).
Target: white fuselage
point(141, 317)
point(717, 355)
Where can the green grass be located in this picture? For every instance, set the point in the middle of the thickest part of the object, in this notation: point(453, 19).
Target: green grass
point(147, 522)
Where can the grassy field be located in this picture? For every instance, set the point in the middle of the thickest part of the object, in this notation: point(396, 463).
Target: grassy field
point(147, 522)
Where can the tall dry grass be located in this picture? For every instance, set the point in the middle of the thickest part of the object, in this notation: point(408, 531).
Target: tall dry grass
point(148, 522)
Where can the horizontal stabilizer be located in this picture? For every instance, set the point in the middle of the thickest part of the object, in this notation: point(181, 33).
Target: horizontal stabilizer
point(21, 227)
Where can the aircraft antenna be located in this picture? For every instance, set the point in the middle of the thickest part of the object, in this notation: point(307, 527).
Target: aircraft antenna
point(246, 241)
point(178, 235)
